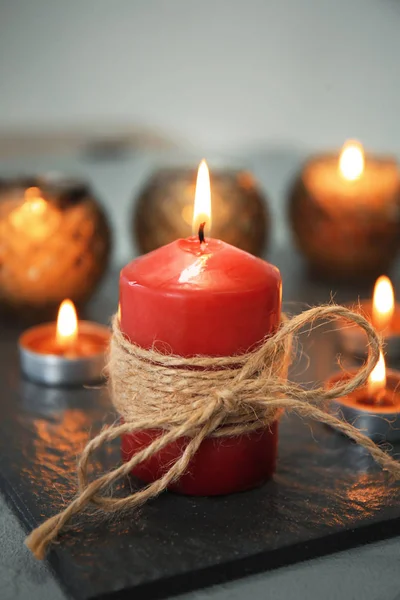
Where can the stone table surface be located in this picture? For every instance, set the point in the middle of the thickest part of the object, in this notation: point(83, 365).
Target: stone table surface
point(370, 573)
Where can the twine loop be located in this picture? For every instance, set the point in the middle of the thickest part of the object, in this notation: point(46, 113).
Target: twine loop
point(198, 397)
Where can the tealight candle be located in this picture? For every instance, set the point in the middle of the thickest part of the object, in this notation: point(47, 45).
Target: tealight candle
point(384, 314)
point(374, 410)
point(345, 213)
point(69, 352)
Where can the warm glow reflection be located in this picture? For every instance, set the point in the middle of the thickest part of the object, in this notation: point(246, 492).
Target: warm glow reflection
point(67, 324)
point(202, 200)
point(30, 215)
point(193, 271)
point(382, 303)
point(377, 379)
point(351, 160)
point(34, 201)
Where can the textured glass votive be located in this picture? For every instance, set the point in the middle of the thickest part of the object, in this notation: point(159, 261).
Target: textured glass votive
point(347, 229)
point(54, 244)
point(164, 209)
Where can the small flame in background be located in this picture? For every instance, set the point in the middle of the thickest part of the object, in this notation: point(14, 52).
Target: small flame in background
point(351, 160)
point(382, 303)
point(30, 214)
point(202, 200)
point(67, 324)
point(377, 379)
point(34, 201)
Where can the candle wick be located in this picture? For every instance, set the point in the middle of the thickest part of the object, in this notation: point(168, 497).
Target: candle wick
point(201, 233)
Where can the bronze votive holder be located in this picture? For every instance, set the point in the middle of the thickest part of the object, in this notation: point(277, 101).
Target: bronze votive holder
point(346, 230)
point(54, 244)
point(164, 209)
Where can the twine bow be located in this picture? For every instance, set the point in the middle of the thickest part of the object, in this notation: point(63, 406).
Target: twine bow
point(205, 396)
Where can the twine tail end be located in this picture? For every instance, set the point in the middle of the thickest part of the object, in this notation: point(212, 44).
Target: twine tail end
point(40, 538)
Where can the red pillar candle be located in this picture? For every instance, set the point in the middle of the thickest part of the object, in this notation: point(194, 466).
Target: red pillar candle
point(208, 298)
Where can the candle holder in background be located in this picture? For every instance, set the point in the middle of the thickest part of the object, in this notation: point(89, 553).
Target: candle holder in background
point(54, 244)
point(345, 214)
point(164, 209)
point(375, 410)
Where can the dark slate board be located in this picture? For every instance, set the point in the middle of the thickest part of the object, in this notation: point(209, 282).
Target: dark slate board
point(327, 495)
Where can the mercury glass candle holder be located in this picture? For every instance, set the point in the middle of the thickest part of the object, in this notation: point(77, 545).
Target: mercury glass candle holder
point(54, 244)
point(164, 209)
point(347, 229)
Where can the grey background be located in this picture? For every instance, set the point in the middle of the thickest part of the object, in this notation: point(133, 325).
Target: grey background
point(216, 74)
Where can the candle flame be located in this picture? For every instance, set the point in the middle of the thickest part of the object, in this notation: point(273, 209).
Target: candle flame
point(377, 379)
point(67, 324)
point(382, 303)
point(202, 200)
point(351, 160)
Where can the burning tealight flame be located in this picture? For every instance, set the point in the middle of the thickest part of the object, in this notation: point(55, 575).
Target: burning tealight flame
point(377, 379)
point(382, 303)
point(202, 200)
point(351, 160)
point(67, 324)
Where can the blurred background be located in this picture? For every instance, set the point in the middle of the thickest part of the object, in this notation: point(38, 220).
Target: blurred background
point(106, 90)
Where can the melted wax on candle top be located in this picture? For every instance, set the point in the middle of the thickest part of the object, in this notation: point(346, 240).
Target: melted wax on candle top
point(88, 343)
point(385, 401)
point(212, 265)
point(382, 398)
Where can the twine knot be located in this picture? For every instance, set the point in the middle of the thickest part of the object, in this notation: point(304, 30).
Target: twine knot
point(228, 402)
point(204, 396)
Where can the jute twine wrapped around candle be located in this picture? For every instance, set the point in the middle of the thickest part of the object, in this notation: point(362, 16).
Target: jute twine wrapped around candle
point(204, 396)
